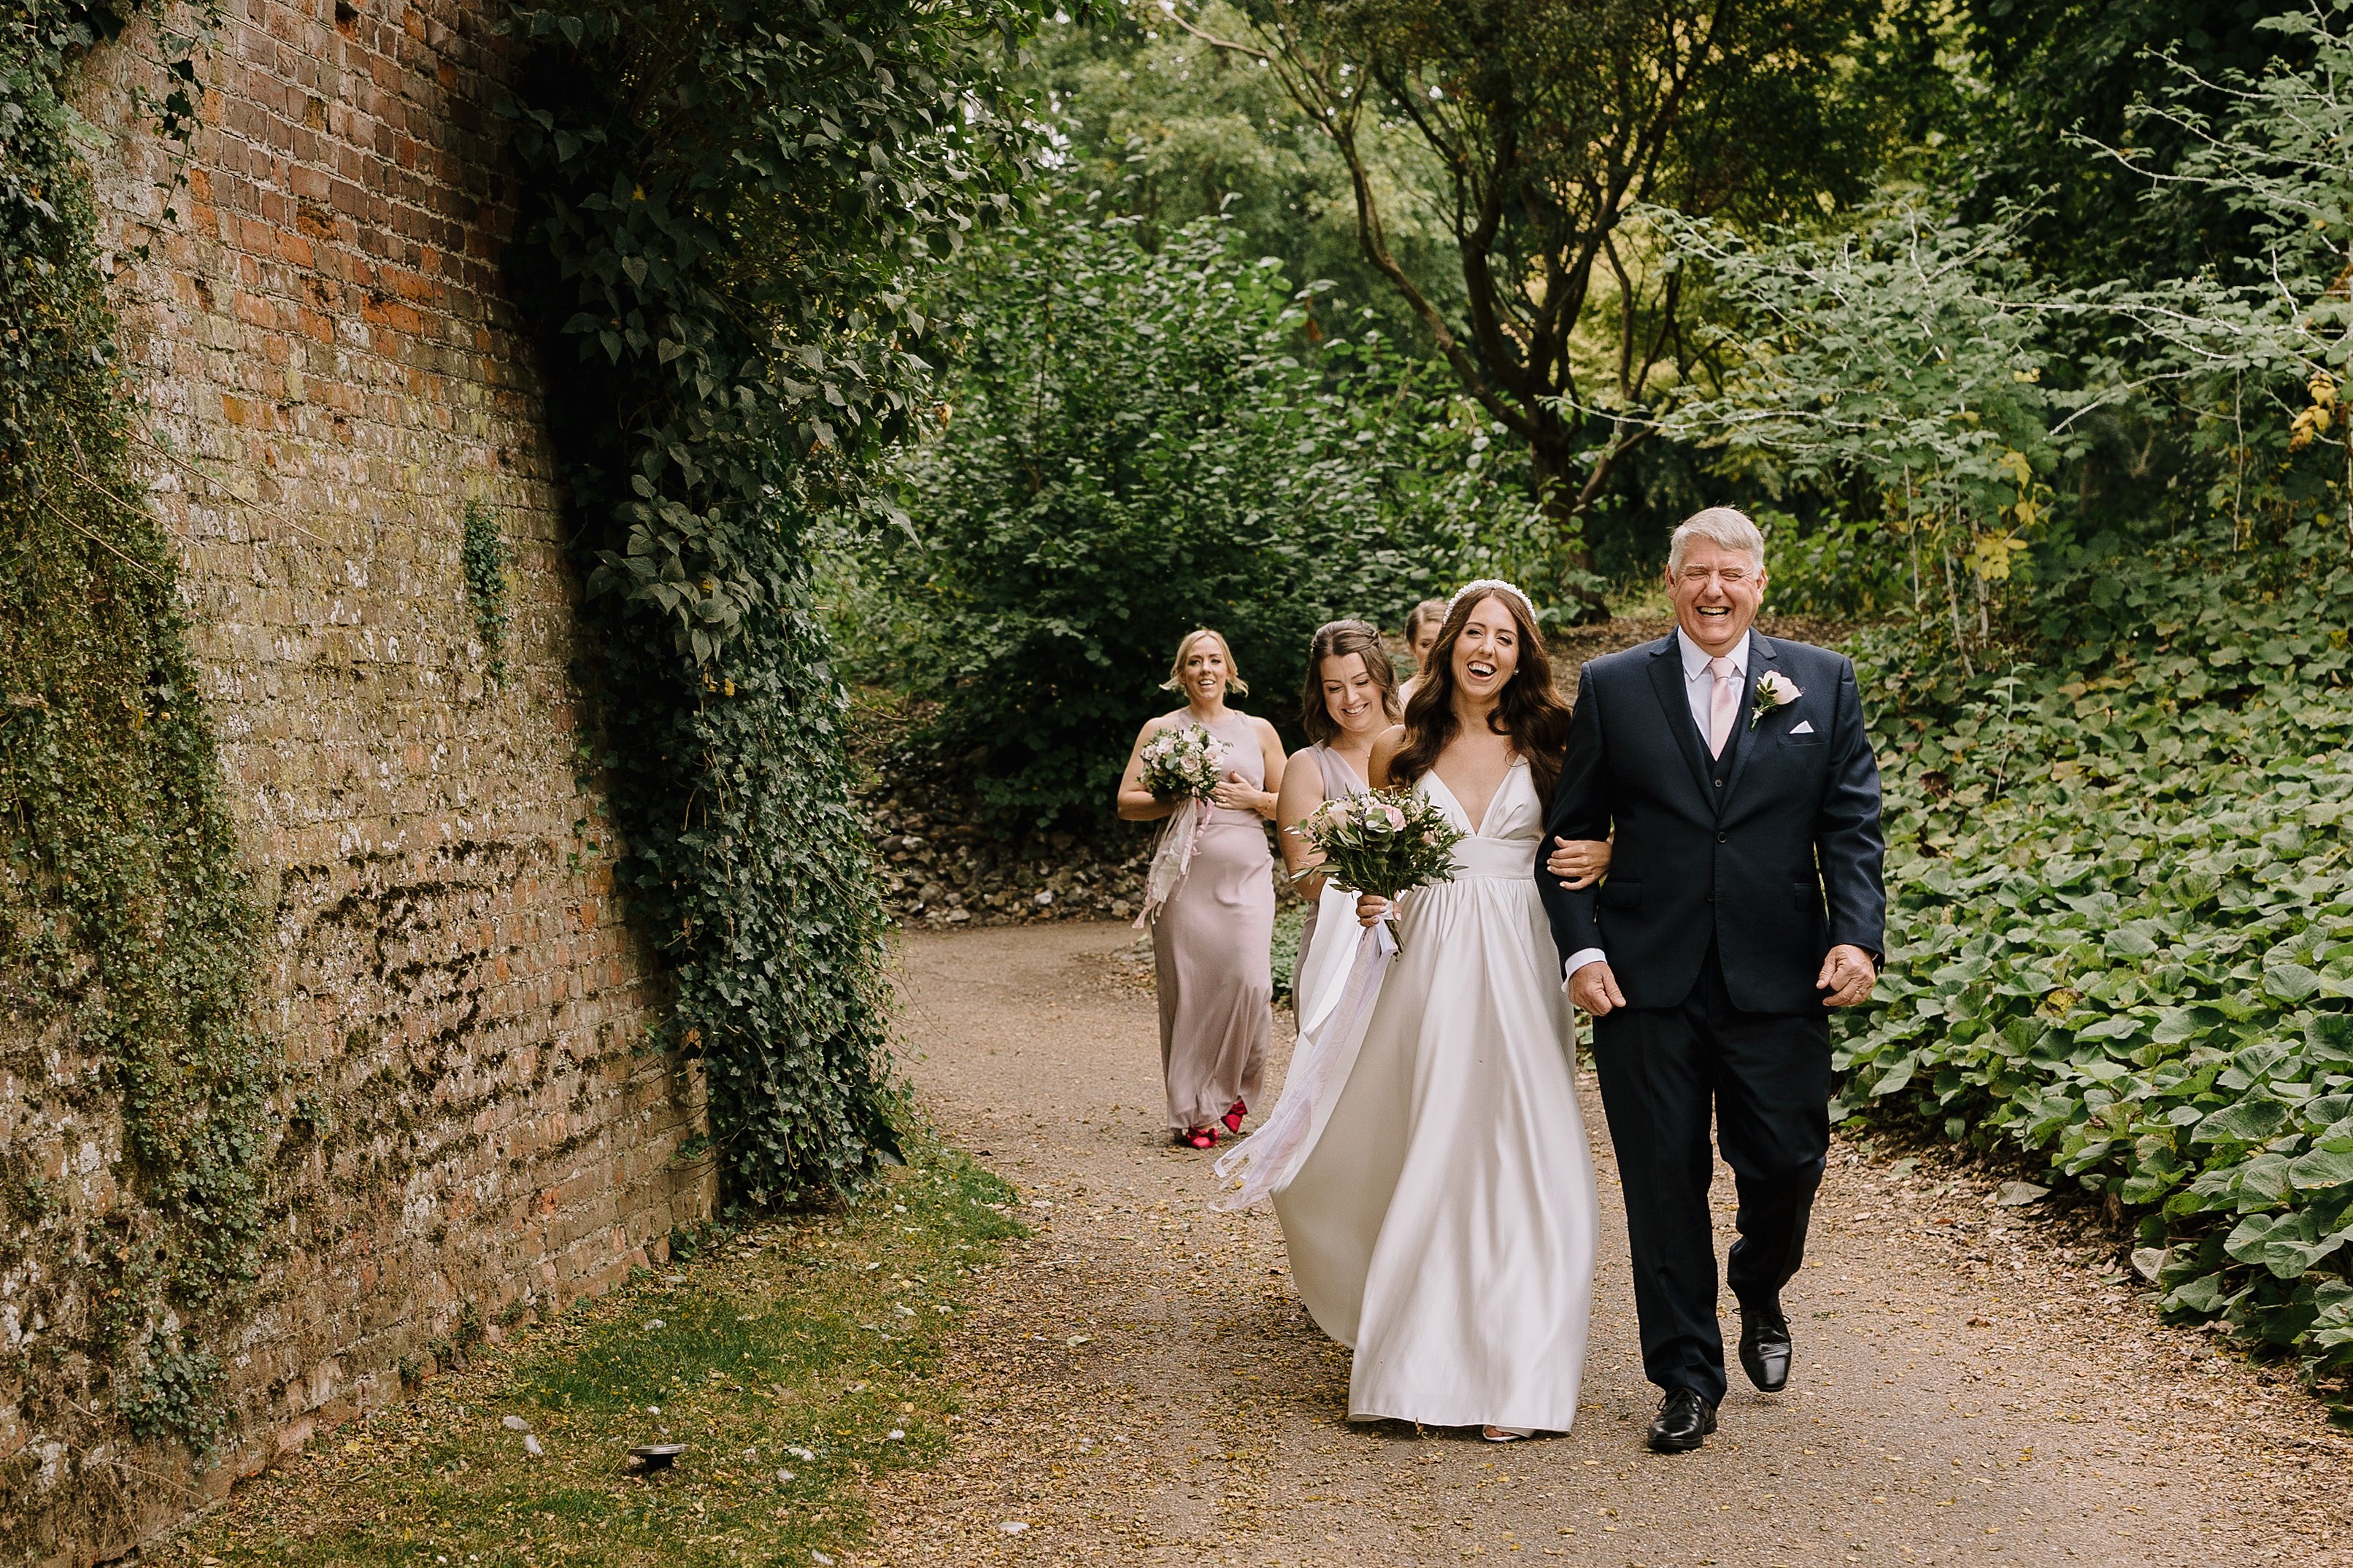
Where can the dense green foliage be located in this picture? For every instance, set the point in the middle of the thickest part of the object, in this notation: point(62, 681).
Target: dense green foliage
point(2066, 78)
point(1906, 356)
point(1553, 122)
point(726, 203)
point(127, 937)
point(1167, 128)
point(1140, 442)
point(2123, 922)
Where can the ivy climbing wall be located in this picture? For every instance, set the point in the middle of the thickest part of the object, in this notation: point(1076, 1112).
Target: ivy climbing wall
point(341, 434)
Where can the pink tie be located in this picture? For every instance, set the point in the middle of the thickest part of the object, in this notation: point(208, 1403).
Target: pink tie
point(1722, 704)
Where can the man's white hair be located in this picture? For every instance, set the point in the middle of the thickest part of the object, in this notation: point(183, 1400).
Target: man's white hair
point(1727, 528)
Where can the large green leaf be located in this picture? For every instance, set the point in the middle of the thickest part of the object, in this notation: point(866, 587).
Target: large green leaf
point(2329, 1035)
point(2290, 982)
point(2322, 1169)
point(2246, 1121)
point(2204, 1296)
point(2286, 1244)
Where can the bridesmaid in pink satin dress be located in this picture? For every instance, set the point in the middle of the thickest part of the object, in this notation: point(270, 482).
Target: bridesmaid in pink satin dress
point(1212, 938)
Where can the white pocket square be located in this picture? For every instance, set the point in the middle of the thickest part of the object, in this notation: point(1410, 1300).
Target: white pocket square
point(1802, 727)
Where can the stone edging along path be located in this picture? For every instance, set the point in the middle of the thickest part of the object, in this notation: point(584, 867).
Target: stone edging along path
point(1974, 1385)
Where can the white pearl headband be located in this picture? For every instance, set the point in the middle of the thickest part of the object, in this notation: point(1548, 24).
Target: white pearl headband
point(1492, 586)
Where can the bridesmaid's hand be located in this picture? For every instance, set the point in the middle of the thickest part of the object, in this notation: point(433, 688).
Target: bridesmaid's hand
point(1236, 793)
point(1579, 862)
point(1371, 909)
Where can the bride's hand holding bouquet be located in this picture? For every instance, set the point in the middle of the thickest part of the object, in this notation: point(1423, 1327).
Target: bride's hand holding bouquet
point(1382, 844)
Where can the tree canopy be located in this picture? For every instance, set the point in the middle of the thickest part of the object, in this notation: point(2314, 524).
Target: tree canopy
point(1552, 122)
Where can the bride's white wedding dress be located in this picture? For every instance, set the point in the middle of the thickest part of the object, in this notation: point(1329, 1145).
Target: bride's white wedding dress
point(1441, 1221)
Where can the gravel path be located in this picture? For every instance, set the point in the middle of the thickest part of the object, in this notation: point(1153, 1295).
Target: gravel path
point(1974, 1385)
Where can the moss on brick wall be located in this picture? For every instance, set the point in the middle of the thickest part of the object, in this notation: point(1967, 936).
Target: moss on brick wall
point(126, 932)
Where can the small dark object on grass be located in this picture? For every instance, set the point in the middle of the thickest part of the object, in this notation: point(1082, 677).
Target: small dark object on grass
point(655, 1456)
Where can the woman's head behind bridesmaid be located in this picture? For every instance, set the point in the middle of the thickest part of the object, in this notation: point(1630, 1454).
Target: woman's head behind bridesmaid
point(1420, 635)
point(1421, 631)
point(1204, 672)
point(1527, 708)
point(1351, 685)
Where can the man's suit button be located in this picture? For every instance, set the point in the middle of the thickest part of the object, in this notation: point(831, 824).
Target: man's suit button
point(1711, 897)
point(1719, 784)
point(1724, 838)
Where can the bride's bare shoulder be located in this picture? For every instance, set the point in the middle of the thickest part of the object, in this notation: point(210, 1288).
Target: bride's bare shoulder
point(1386, 746)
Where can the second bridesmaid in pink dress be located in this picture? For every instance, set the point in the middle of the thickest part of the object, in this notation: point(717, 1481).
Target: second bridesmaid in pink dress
point(1351, 697)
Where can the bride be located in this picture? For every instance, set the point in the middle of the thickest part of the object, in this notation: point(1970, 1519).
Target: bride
point(1438, 1197)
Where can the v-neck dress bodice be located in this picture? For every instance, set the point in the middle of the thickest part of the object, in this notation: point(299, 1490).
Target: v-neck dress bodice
point(1504, 844)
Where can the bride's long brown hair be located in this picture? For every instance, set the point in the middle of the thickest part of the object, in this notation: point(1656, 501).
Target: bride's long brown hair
point(1527, 710)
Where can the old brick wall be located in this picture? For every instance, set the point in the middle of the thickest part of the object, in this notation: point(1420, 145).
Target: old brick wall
point(331, 374)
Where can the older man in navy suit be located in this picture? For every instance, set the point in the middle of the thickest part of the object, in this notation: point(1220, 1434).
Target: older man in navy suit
point(1743, 898)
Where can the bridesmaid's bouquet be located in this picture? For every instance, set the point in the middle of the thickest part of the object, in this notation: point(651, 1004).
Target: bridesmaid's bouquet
point(1185, 764)
point(1381, 842)
point(1184, 761)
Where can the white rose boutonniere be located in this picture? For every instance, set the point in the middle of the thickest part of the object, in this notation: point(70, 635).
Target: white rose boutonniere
point(1774, 689)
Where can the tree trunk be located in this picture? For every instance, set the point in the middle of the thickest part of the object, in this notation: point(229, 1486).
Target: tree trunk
point(1557, 493)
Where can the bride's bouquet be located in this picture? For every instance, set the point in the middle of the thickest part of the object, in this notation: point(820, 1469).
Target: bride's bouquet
point(1382, 842)
point(1184, 761)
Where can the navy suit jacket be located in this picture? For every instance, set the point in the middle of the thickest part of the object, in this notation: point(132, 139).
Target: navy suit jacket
point(1778, 866)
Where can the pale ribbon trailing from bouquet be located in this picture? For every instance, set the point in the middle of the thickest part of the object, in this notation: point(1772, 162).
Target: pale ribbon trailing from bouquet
point(1172, 856)
point(1264, 1163)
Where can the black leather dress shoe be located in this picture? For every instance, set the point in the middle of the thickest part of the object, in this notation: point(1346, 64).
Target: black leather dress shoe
point(1682, 1423)
point(1764, 1348)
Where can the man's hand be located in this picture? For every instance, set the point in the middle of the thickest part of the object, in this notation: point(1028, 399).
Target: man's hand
point(1579, 862)
point(1595, 989)
point(1848, 975)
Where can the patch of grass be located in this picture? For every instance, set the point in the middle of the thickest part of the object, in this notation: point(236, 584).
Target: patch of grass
point(794, 1359)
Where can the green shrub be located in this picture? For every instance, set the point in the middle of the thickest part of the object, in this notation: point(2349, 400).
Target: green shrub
point(1138, 442)
point(484, 557)
point(1288, 920)
point(725, 205)
point(2121, 930)
point(1851, 570)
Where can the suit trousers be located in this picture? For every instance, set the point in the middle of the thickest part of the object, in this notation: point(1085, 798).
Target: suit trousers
point(1765, 1079)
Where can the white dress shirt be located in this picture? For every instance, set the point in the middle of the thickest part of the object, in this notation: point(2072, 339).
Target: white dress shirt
point(1699, 688)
